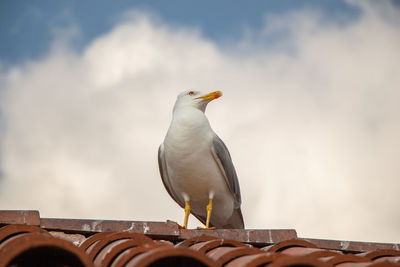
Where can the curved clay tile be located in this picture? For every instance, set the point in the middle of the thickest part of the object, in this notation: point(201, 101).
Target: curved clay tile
point(383, 264)
point(198, 239)
point(41, 250)
point(163, 243)
point(129, 254)
point(167, 256)
point(314, 252)
point(14, 229)
point(393, 259)
point(339, 259)
point(109, 253)
point(95, 249)
point(304, 261)
point(93, 239)
point(206, 246)
point(288, 244)
point(253, 260)
point(223, 255)
point(111, 250)
point(373, 255)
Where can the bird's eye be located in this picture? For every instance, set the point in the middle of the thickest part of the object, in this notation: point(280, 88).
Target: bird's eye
point(191, 93)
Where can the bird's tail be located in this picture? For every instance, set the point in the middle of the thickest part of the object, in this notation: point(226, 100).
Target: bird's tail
point(235, 221)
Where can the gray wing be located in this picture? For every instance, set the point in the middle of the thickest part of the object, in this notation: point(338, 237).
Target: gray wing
point(223, 158)
point(164, 176)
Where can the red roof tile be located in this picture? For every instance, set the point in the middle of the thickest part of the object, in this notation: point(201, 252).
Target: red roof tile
point(27, 238)
point(289, 244)
point(224, 255)
point(40, 249)
point(261, 259)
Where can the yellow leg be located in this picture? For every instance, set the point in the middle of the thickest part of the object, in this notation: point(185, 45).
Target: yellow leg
point(187, 212)
point(209, 209)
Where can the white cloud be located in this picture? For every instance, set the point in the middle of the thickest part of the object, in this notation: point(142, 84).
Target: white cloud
point(312, 123)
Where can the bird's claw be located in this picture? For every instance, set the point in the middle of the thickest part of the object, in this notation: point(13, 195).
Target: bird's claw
point(179, 226)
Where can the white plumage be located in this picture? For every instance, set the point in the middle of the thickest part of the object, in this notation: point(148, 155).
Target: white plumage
point(195, 165)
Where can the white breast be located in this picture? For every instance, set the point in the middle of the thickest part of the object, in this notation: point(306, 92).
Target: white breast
point(192, 169)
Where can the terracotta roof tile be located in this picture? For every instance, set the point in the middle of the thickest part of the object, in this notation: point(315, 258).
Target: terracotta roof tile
point(314, 252)
point(111, 239)
point(289, 244)
point(41, 249)
point(27, 238)
point(341, 259)
point(206, 246)
point(123, 258)
point(12, 230)
point(255, 260)
point(224, 255)
point(373, 255)
point(304, 261)
point(389, 259)
point(194, 240)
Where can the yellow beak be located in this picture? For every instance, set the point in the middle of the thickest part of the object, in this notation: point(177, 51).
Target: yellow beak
point(210, 96)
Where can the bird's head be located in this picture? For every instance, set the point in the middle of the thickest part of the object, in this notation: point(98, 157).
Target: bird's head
point(196, 99)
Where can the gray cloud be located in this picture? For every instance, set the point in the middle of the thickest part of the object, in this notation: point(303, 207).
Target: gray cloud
point(312, 122)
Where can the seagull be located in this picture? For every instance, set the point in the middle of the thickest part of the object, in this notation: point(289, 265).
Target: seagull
point(196, 167)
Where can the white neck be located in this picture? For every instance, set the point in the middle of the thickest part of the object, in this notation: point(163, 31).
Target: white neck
point(189, 125)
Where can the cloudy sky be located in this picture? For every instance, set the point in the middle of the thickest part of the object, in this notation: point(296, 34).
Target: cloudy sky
point(310, 110)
